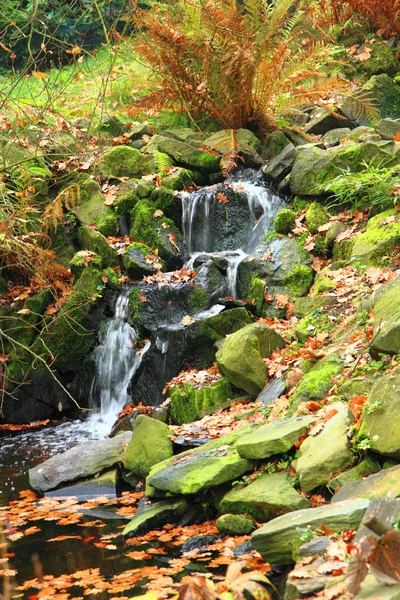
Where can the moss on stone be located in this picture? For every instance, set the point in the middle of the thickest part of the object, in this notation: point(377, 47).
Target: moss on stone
point(299, 281)
point(135, 306)
point(149, 445)
point(197, 300)
point(381, 61)
point(178, 179)
point(93, 240)
point(234, 524)
point(381, 237)
point(301, 202)
point(189, 403)
point(134, 260)
point(124, 161)
point(322, 284)
point(108, 224)
point(256, 294)
point(80, 261)
point(25, 327)
point(285, 221)
point(314, 323)
point(126, 197)
point(91, 210)
point(317, 382)
point(112, 278)
point(315, 217)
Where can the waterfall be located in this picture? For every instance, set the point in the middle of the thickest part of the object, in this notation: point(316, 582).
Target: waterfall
point(117, 359)
point(205, 230)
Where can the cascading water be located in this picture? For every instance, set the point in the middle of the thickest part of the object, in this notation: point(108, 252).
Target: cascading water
point(199, 218)
point(117, 359)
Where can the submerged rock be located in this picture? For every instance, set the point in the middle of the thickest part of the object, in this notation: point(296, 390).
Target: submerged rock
point(240, 357)
point(277, 540)
point(149, 445)
point(83, 460)
point(266, 497)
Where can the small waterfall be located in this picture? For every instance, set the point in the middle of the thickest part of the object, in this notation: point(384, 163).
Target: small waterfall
point(204, 228)
point(117, 359)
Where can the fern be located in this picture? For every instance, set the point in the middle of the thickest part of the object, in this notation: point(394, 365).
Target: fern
point(361, 106)
point(53, 213)
point(163, 161)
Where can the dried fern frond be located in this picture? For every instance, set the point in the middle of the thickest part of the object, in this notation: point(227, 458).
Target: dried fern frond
point(361, 106)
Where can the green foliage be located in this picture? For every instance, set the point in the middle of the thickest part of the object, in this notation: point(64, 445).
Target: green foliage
point(374, 186)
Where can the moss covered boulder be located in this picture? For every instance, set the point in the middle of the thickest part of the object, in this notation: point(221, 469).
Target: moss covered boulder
point(195, 470)
point(234, 524)
point(366, 467)
point(184, 154)
point(277, 540)
point(190, 402)
point(385, 484)
point(326, 453)
point(149, 445)
point(315, 322)
point(285, 221)
point(318, 381)
point(93, 240)
point(274, 143)
point(240, 357)
point(153, 228)
point(381, 417)
point(315, 217)
point(91, 210)
point(135, 261)
point(25, 326)
point(156, 515)
point(381, 237)
point(272, 438)
point(386, 338)
point(265, 498)
point(124, 161)
point(83, 259)
point(309, 304)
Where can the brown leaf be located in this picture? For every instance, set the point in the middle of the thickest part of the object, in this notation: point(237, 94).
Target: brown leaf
point(384, 559)
point(356, 572)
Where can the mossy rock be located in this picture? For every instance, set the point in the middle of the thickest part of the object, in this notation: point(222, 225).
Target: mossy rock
point(285, 221)
point(91, 210)
point(323, 283)
point(156, 231)
point(156, 515)
point(383, 484)
point(124, 161)
point(309, 304)
point(24, 328)
point(190, 402)
point(318, 381)
point(387, 95)
point(386, 337)
point(256, 294)
point(126, 197)
point(184, 154)
point(61, 244)
point(311, 325)
point(381, 237)
point(382, 60)
point(240, 357)
point(112, 278)
point(72, 336)
point(93, 240)
point(274, 143)
point(134, 260)
point(267, 497)
point(178, 179)
point(81, 260)
point(315, 217)
point(149, 445)
point(234, 524)
point(366, 467)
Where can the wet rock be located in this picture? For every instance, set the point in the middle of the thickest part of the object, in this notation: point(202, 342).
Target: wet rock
point(194, 470)
point(105, 485)
point(83, 460)
point(266, 497)
point(384, 484)
point(277, 168)
point(149, 445)
point(240, 357)
point(381, 417)
point(325, 453)
point(93, 240)
point(276, 540)
point(244, 548)
point(276, 437)
point(317, 545)
point(274, 143)
point(156, 515)
point(198, 541)
point(134, 260)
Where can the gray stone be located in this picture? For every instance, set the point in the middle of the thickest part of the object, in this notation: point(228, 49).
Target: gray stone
point(105, 486)
point(156, 515)
point(83, 460)
point(385, 484)
point(277, 168)
point(321, 122)
point(388, 128)
point(266, 497)
point(335, 135)
point(317, 545)
point(325, 453)
point(272, 438)
point(276, 540)
point(272, 391)
point(386, 338)
point(274, 144)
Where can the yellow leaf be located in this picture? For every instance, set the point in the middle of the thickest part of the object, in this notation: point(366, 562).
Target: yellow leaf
point(39, 75)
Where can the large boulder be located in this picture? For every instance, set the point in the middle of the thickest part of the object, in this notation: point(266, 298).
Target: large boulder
point(381, 417)
point(195, 470)
point(91, 210)
point(381, 237)
point(385, 484)
point(277, 540)
point(83, 460)
point(272, 438)
point(184, 154)
point(265, 498)
point(386, 337)
point(149, 445)
point(191, 401)
point(326, 453)
point(240, 357)
point(124, 161)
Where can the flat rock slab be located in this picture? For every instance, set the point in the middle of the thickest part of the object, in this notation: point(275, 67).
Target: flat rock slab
point(272, 391)
point(277, 540)
point(267, 497)
point(105, 485)
point(190, 472)
point(157, 515)
point(273, 438)
point(78, 462)
point(385, 484)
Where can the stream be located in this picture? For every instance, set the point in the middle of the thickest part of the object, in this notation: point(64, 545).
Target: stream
point(118, 358)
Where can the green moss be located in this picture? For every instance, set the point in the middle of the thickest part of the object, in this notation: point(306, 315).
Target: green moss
point(108, 224)
point(315, 217)
point(318, 381)
point(135, 306)
point(149, 445)
point(25, 327)
point(285, 221)
point(197, 300)
point(234, 524)
point(300, 203)
point(381, 61)
point(189, 403)
point(380, 238)
point(93, 240)
point(126, 198)
point(299, 281)
point(80, 262)
point(134, 260)
point(123, 161)
point(343, 250)
point(163, 198)
point(323, 283)
point(155, 231)
point(112, 277)
point(178, 179)
point(314, 323)
point(256, 294)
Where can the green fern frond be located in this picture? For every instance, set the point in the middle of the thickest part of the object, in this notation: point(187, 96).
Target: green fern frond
point(163, 161)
